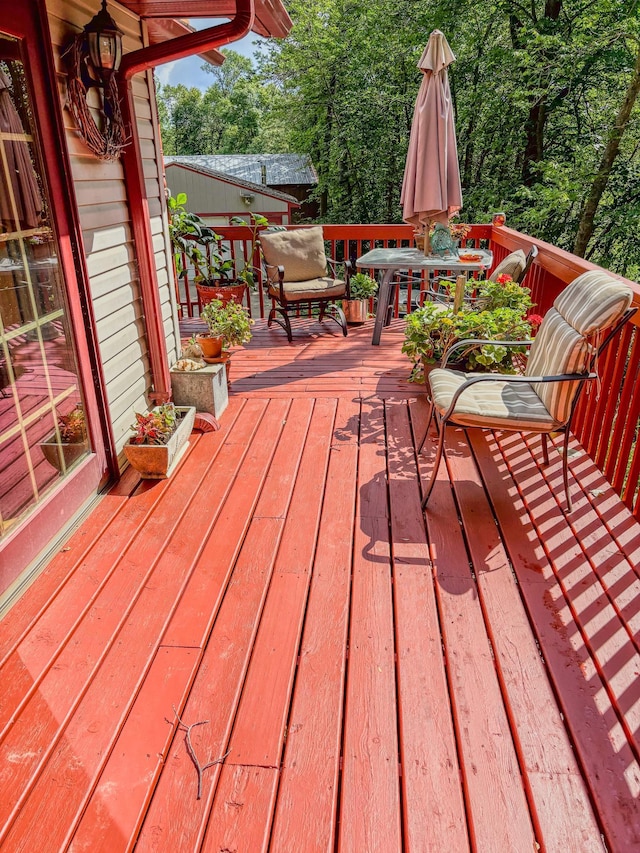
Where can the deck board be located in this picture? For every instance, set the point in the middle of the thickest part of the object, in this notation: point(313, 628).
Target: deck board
point(558, 797)
point(431, 782)
point(498, 812)
point(370, 804)
point(382, 680)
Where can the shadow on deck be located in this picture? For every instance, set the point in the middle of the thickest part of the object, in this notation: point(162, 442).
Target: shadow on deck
point(375, 683)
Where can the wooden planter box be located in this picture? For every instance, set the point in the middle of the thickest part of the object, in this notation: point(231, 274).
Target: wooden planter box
point(158, 461)
point(70, 452)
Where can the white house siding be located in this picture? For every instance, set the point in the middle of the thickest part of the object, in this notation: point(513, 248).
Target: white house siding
point(106, 226)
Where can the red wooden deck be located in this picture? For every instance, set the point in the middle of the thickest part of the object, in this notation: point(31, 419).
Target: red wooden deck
point(376, 683)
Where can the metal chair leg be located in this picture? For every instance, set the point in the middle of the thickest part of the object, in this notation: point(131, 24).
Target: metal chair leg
point(282, 320)
point(426, 432)
point(545, 448)
point(565, 470)
point(334, 312)
point(436, 466)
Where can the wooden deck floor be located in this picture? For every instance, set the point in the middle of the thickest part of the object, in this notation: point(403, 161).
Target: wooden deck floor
point(374, 682)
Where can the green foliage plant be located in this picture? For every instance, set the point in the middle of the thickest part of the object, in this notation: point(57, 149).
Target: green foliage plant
point(229, 321)
point(498, 314)
point(156, 427)
point(249, 273)
point(362, 286)
point(188, 234)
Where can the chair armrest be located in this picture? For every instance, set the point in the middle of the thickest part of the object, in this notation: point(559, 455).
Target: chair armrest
point(509, 377)
point(332, 263)
point(475, 342)
point(272, 269)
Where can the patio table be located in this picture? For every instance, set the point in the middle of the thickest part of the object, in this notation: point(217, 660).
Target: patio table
point(393, 260)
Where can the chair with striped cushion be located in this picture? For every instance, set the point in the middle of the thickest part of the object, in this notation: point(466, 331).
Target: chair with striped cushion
point(582, 321)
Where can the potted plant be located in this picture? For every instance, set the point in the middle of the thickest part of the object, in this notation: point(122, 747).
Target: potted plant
point(361, 289)
point(228, 321)
point(498, 312)
point(248, 274)
point(159, 439)
point(187, 231)
point(69, 442)
point(201, 247)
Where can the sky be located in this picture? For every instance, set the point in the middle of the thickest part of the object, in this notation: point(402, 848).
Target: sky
point(189, 71)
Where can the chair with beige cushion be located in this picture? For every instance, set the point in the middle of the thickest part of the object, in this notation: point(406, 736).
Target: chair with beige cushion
point(583, 319)
point(516, 265)
point(300, 274)
point(512, 265)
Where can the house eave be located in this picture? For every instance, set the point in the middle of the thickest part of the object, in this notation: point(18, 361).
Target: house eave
point(271, 17)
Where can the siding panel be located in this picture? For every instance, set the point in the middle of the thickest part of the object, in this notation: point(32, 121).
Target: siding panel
point(105, 220)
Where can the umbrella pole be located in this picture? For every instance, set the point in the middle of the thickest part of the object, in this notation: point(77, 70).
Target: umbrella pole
point(427, 240)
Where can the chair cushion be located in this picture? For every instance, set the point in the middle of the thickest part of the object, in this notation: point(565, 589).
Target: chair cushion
point(595, 300)
point(512, 265)
point(557, 348)
point(492, 403)
point(314, 288)
point(300, 252)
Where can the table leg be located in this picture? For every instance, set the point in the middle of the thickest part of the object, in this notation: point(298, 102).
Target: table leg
point(382, 309)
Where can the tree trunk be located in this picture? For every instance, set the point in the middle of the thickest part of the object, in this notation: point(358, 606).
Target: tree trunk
point(538, 112)
point(585, 228)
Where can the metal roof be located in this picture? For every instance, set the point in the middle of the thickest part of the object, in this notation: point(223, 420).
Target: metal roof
point(265, 189)
point(269, 169)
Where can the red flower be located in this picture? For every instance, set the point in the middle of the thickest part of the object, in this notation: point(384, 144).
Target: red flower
point(503, 278)
point(534, 321)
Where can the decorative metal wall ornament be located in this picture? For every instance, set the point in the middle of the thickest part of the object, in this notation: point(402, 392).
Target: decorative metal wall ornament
point(94, 57)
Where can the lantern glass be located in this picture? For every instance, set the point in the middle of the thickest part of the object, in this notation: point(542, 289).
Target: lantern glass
point(104, 41)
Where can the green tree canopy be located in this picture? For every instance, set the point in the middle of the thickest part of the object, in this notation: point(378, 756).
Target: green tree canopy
point(545, 95)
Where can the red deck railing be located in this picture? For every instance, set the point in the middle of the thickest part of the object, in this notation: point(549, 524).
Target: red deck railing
point(607, 419)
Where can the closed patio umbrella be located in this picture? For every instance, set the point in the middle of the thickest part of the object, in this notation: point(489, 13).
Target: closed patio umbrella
point(431, 189)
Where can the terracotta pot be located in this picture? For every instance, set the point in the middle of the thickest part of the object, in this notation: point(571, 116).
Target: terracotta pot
point(211, 346)
point(224, 292)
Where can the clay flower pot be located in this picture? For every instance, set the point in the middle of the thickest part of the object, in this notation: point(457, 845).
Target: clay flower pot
point(211, 346)
point(224, 292)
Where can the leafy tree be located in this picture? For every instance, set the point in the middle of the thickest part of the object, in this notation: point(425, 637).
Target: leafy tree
point(545, 95)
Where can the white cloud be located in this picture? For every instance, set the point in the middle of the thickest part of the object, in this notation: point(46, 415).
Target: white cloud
point(163, 72)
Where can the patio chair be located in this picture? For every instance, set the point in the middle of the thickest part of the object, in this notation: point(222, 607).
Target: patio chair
point(562, 358)
point(531, 256)
point(513, 265)
point(297, 275)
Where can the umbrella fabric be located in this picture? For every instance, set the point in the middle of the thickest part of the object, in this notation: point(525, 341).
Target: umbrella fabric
point(19, 191)
point(431, 189)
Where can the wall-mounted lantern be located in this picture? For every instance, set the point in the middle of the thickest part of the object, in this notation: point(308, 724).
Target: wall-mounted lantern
point(95, 55)
point(104, 41)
